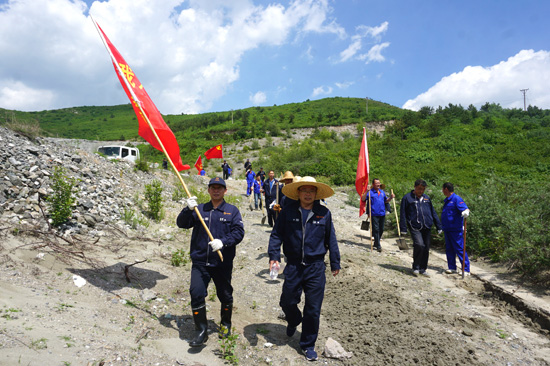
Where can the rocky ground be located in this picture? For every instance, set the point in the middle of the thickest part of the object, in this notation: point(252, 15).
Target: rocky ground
point(374, 309)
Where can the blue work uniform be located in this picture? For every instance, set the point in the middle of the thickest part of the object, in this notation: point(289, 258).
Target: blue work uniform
point(378, 214)
point(418, 215)
point(453, 225)
point(270, 192)
point(306, 236)
point(250, 181)
point(225, 223)
point(257, 192)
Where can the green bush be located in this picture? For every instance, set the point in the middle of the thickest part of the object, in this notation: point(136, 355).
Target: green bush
point(180, 258)
point(62, 199)
point(153, 197)
point(141, 165)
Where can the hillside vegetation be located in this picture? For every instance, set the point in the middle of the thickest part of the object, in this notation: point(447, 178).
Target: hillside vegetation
point(498, 159)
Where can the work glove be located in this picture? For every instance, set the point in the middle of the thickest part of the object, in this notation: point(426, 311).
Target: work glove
point(277, 208)
point(271, 205)
point(465, 213)
point(439, 232)
point(192, 203)
point(216, 244)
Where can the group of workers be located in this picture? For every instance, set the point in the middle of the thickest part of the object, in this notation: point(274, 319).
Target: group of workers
point(303, 228)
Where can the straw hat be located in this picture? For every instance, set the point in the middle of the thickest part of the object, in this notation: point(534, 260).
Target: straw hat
point(296, 179)
point(323, 190)
point(287, 176)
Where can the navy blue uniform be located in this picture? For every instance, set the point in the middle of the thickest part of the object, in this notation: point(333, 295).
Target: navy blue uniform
point(418, 215)
point(305, 241)
point(270, 191)
point(378, 201)
point(225, 223)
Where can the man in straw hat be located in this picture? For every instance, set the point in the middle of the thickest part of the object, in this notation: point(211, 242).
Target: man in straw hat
point(226, 225)
point(287, 178)
point(305, 230)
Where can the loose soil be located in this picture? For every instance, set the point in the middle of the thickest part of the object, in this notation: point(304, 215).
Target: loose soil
point(375, 308)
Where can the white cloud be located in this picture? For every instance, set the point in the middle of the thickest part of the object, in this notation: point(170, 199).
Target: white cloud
point(321, 90)
point(499, 83)
point(361, 39)
point(258, 98)
point(186, 53)
point(344, 85)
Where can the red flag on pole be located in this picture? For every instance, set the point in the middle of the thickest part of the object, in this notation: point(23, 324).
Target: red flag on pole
point(198, 164)
point(362, 176)
point(214, 153)
point(139, 97)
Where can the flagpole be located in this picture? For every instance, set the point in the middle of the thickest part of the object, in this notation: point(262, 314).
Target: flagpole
point(138, 103)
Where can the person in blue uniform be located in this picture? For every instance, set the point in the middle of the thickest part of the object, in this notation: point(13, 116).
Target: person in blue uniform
point(418, 214)
point(452, 218)
point(225, 224)
point(378, 200)
point(287, 178)
point(250, 175)
point(269, 189)
point(305, 231)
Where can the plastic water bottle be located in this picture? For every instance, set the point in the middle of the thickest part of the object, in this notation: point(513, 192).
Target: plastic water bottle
point(274, 271)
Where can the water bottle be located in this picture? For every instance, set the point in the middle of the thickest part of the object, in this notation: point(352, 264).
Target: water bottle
point(274, 271)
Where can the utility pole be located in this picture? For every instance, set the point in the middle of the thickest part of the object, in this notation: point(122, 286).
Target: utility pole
point(524, 91)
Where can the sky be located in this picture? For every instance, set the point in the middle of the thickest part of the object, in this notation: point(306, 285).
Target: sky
point(199, 56)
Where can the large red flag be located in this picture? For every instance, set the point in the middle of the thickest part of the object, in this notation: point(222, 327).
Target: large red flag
point(198, 164)
point(362, 176)
point(139, 97)
point(214, 153)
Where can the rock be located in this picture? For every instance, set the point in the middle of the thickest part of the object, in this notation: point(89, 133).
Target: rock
point(333, 349)
point(147, 295)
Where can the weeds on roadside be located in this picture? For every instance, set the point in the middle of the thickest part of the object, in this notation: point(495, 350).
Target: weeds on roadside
point(141, 165)
point(62, 199)
point(130, 217)
point(39, 344)
point(180, 258)
point(30, 129)
point(228, 345)
point(153, 196)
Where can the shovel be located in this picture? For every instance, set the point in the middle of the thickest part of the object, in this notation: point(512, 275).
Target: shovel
point(262, 199)
point(401, 243)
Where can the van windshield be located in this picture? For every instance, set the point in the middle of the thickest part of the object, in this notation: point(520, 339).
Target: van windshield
point(109, 150)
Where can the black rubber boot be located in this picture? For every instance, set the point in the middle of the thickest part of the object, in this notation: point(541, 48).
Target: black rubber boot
point(226, 311)
point(201, 324)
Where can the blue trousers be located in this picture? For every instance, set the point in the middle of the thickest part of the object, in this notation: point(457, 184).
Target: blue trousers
point(454, 246)
point(311, 280)
point(377, 229)
point(200, 278)
point(421, 248)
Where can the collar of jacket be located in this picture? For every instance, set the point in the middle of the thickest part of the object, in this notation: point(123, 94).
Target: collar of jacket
point(209, 206)
point(316, 206)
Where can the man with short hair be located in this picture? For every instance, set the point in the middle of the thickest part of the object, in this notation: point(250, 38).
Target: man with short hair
point(452, 218)
point(269, 189)
point(377, 212)
point(418, 215)
point(306, 232)
point(261, 173)
point(225, 224)
point(225, 169)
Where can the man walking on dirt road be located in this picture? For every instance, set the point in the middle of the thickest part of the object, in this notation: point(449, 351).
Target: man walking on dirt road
point(418, 215)
point(378, 200)
point(306, 232)
point(452, 218)
point(226, 225)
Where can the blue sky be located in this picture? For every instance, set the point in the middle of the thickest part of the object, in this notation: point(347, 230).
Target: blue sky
point(215, 55)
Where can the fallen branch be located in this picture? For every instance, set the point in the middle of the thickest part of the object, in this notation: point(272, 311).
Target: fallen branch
point(127, 268)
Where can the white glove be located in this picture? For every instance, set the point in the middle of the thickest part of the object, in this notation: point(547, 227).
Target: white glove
point(216, 244)
point(466, 213)
point(271, 205)
point(439, 232)
point(192, 203)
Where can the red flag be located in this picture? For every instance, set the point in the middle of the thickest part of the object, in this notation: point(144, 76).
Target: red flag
point(198, 164)
point(139, 97)
point(362, 176)
point(214, 153)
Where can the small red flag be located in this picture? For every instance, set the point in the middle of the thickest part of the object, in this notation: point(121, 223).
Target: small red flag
point(198, 164)
point(138, 96)
point(362, 176)
point(214, 153)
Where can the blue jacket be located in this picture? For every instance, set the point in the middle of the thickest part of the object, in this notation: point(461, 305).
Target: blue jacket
point(378, 202)
point(270, 193)
point(451, 215)
point(257, 186)
point(225, 223)
point(250, 177)
point(417, 213)
point(304, 245)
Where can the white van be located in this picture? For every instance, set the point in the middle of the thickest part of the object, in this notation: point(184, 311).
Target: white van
point(119, 152)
